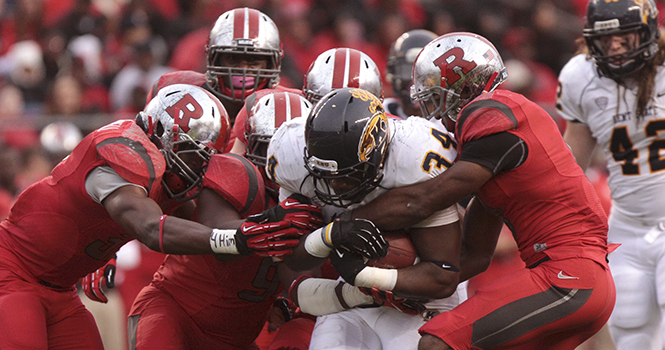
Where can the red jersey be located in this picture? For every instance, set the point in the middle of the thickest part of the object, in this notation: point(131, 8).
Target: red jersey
point(229, 300)
point(549, 203)
point(56, 233)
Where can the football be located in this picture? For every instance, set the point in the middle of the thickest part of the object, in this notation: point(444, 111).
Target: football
point(401, 252)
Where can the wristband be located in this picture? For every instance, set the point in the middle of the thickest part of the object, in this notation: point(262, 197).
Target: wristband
point(383, 279)
point(223, 241)
point(316, 245)
point(161, 232)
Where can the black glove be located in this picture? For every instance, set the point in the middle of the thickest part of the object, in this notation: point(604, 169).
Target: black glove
point(298, 210)
point(347, 264)
point(357, 236)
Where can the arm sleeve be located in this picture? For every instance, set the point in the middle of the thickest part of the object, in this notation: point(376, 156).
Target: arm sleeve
point(500, 151)
point(103, 180)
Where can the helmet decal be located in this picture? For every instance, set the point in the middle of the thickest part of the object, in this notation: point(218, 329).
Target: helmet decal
point(372, 136)
point(185, 109)
point(452, 71)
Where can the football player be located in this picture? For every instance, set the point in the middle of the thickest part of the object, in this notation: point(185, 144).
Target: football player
point(333, 69)
point(399, 65)
point(611, 97)
point(345, 154)
point(513, 158)
point(127, 180)
point(222, 302)
point(244, 55)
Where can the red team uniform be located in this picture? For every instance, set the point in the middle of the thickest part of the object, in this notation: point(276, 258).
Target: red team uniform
point(567, 284)
point(56, 234)
point(199, 302)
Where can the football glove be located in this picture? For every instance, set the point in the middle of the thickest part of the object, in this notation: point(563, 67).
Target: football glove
point(298, 210)
point(347, 264)
point(387, 298)
point(268, 239)
point(94, 284)
point(357, 236)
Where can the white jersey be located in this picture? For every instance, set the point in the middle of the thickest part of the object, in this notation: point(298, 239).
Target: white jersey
point(634, 150)
point(418, 150)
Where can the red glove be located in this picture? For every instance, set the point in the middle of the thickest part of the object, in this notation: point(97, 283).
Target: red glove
point(95, 283)
point(298, 210)
point(268, 239)
point(387, 298)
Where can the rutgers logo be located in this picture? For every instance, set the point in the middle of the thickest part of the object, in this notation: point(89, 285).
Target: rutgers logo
point(453, 65)
point(185, 109)
point(373, 137)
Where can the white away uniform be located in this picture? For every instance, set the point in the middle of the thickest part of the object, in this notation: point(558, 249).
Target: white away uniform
point(416, 153)
point(635, 154)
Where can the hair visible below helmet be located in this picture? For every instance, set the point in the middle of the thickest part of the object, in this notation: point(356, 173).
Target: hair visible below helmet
point(267, 114)
point(346, 136)
point(616, 18)
point(187, 124)
point(340, 68)
point(248, 32)
point(454, 69)
point(402, 55)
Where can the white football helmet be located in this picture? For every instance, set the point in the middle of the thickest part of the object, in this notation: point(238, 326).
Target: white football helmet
point(452, 70)
point(340, 68)
point(267, 114)
point(187, 124)
point(243, 31)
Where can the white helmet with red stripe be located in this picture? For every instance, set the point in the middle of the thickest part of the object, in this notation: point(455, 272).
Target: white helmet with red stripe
point(267, 114)
point(187, 124)
point(340, 68)
point(452, 70)
point(243, 31)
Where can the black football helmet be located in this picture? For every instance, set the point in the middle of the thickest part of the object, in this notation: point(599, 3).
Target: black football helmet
point(402, 55)
point(347, 139)
point(620, 17)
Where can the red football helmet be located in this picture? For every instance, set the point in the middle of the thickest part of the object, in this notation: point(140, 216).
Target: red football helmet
point(248, 34)
point(187, 124)
point(340, 68)
point(267, 114)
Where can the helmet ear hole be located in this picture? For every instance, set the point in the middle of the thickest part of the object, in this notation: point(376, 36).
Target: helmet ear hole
point(139, 122)
point(159, 129)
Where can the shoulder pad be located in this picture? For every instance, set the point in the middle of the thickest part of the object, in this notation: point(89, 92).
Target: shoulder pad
point(419, 150)
point(486, 115)
point(238, 181)
point(574, 78)
point(285, 157)
point(127, 149)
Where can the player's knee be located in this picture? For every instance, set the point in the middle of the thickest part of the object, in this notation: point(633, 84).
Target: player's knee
point(430, 342)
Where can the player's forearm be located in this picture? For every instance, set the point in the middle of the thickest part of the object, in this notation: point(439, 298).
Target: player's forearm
point(396, 209)
point(425, 280)
point(481, 232)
